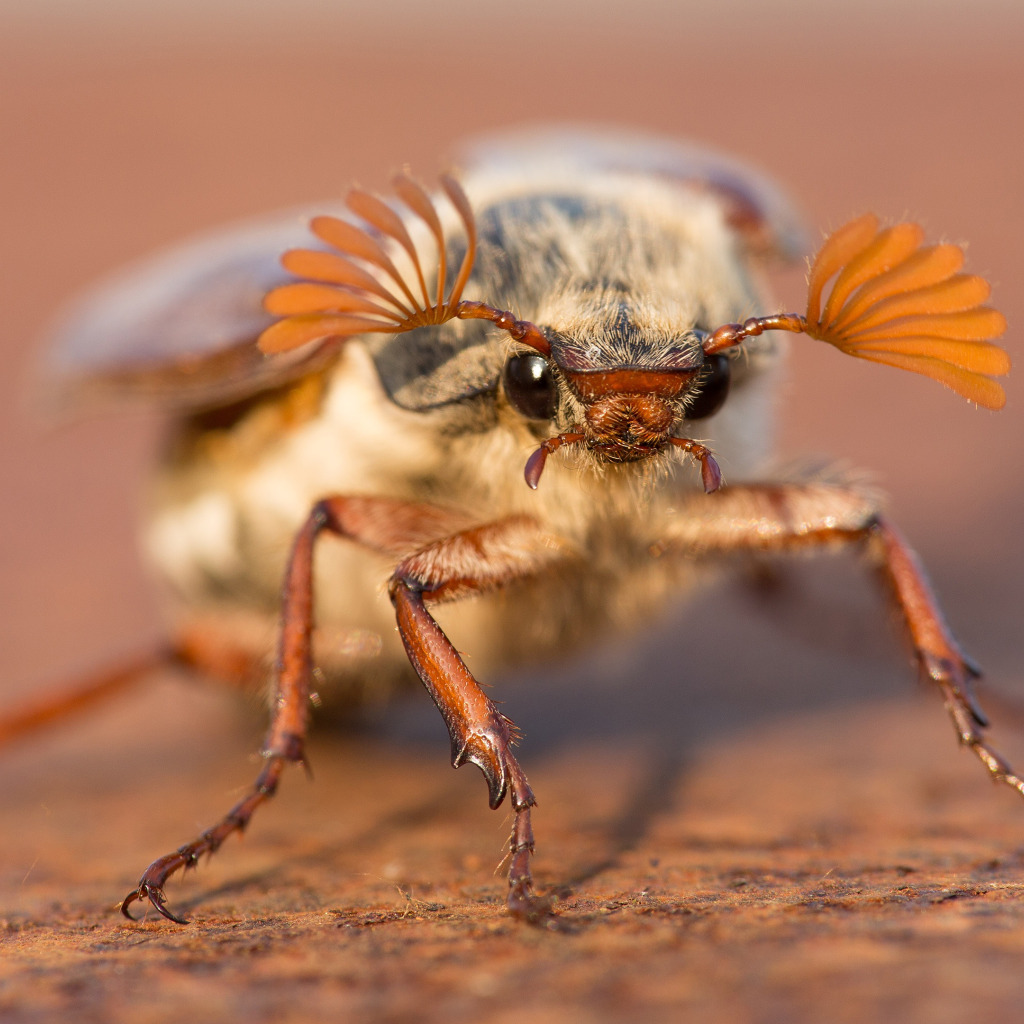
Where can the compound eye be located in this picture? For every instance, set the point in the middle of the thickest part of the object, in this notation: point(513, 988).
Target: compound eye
point(530, 386)
point(713, 383)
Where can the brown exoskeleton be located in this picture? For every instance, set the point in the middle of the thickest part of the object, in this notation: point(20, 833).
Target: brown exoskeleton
point(603, 328)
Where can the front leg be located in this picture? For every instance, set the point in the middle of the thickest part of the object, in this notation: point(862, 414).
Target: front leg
point(470, 562)
point(790, 517)
point(450, 560)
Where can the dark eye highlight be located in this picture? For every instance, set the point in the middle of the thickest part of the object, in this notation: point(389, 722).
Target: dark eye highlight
point(713, 385)
point(530, 386)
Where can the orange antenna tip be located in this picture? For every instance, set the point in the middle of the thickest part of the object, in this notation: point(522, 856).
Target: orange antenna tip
point(893, 301)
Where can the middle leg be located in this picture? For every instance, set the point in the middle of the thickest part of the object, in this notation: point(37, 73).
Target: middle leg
point(792, 517)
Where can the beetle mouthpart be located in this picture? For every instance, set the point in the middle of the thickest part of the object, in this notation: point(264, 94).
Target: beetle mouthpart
point(710, 473)
point(535, 463)
point(630, 427)
point(625, 448)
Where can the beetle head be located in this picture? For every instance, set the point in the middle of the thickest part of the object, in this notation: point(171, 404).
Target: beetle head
point(618, 381)
point(614, 372)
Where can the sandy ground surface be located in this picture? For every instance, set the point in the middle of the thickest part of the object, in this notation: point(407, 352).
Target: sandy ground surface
point(749, 814)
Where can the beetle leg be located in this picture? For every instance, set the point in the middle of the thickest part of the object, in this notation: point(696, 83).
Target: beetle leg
point(475, 560)
point(285, 738)
point(190, 649)
point(472, 561)
point(80, 695)
point(796, 516)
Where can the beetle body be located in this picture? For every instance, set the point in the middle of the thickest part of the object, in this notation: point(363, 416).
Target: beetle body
point(426, 417)
point(618, 288)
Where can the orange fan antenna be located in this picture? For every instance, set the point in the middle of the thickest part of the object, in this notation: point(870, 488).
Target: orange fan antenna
point(358, 288)
point(898, 302)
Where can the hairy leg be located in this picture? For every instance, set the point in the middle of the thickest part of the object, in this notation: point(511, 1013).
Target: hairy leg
point(81, 695)
point(443, 560)
point(468, 562)
point(193, 648)
point(790, 517)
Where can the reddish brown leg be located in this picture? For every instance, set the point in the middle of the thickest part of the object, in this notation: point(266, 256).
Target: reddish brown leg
point(785, 518)
point(191, 649)
point(496, 553)
point(940, 656)
point(473, 561)
point(80, 696)
point(287, 728)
